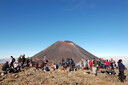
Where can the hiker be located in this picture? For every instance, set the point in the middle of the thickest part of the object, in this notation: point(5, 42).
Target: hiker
point(32, 63)
point(121, 70)
point(110, 71)
point(12, 60)
point(64, 66)
point(98, 64)
point(36, 65)
point(65, 61)
point(16, 66)
point(71, 64)
point(94, 70)
point(104, 65)
point(107, 64)
point(42, 65)
point(82, 62)
point(45, 60)
point(27, 62)
point(20, 60)
point(90, 64)
point(94, 62)
point(23, 60)
point(46, 68)
point(62, 60)
point(115, 65)
point(57, 66)
point(86, 64)
point(5, 67)
point(111, 63)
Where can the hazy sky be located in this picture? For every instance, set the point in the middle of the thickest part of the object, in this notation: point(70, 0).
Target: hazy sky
point(29, 26)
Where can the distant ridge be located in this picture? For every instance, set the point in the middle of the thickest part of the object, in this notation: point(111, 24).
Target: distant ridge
point(64, 49)
point(4, 60)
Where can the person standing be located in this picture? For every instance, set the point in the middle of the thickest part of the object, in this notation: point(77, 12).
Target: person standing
point(86, 65)
point(121, 70)
point(94, 62)
point(107, 64)
point(90, 64)
point(12, 60)
point(23, 60)
point(111, 63)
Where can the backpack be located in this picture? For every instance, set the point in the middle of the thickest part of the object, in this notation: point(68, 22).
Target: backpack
point(13, 59)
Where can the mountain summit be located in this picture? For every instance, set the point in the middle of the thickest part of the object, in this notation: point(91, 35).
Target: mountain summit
point(64, 49)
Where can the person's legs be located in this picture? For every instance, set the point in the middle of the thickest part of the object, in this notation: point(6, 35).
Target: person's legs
point(119, 75)
point(91, 68)
point(122, 76)
point(11, 64)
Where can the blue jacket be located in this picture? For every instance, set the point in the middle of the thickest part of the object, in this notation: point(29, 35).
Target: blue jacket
point(47, 69)
point(121, 67)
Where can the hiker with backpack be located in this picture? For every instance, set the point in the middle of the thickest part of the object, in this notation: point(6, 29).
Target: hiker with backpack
point(12, 60)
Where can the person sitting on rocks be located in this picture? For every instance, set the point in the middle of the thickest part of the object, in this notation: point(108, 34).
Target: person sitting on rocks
point(46, 68)
point(16, 66)
point(53, 66)
point(5, 67)
point(57, 66)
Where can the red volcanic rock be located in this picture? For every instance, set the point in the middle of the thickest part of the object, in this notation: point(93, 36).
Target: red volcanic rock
point(66, 49)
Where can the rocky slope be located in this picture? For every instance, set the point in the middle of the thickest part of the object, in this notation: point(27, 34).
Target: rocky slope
point(31, 76)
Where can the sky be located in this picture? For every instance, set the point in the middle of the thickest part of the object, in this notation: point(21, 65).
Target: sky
point(30, 26)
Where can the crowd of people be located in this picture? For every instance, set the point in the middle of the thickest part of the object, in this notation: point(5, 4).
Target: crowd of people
point(15, 65)
point(107, 66)
point(99, 63)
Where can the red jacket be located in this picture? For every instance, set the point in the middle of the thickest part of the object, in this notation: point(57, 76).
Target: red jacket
point(90, 63)
point(36, 64)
